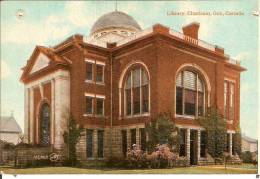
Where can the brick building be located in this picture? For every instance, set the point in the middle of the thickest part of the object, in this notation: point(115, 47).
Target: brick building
point(120, 76)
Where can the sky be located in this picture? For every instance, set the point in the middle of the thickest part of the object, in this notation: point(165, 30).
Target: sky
point(48, 23)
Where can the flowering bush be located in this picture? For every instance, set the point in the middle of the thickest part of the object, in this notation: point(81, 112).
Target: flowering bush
point(162, 157)
point(136, 157)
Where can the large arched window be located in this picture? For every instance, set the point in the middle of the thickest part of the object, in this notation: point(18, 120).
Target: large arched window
point(45, 124)
point(190, 94)
point(136, 92)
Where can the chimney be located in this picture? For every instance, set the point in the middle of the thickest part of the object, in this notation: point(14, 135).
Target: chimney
point(191, 30)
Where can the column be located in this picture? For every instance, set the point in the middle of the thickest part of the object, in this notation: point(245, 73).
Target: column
point(198, 144)
point(62, 108)
point(52, 111)
point(31, 119)
point(26, 115)
point(230, 144)
point(188, 143)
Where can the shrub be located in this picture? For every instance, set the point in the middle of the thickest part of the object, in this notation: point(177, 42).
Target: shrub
point(162, 130)
point(162, 157)
point(216, 129)
point(71, 138)
point(181, 162)
point(234, 159)
point(9, 146)
point(237, 142)
point(117, 162)
point(247, 157)
point(136, 158)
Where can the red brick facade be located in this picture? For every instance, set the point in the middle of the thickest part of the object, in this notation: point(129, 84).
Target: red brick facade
point(160, 53)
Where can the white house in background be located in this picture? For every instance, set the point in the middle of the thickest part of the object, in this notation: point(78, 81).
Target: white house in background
point(248, 144)
point(10, 130)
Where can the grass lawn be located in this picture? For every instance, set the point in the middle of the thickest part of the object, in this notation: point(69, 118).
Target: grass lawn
point(216, 169)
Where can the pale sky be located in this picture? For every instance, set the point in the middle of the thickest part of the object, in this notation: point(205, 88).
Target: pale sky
point(48, 23)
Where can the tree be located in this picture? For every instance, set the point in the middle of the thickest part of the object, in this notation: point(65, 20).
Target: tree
point(71, 138)
point(162, 130)
point(237, 142)
point(216, 129)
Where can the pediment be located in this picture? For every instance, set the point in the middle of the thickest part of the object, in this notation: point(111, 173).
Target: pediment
point(41, 62)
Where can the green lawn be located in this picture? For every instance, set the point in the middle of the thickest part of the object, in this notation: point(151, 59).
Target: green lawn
point(218, 169)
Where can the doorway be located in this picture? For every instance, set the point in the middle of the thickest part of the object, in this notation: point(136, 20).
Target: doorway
point(193, 147)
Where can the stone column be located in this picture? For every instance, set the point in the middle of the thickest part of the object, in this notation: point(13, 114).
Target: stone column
point(52, 111)
point(31, 112)
point(26, 115)
point(188, 143)
point(62, 107)
point(230, 144)
point(198, 143)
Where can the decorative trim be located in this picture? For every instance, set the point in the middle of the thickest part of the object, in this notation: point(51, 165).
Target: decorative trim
point(90, 95)
point(100, 96)
point(47, 78)
point(229, 80)
point(89, 60)
point(100, 63)
point(191, 53)
point(95, 61)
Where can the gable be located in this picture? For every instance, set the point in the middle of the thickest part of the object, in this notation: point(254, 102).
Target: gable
point(41, 62)
point(9, 124)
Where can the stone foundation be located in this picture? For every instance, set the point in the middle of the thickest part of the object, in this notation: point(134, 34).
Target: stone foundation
point(115, 142)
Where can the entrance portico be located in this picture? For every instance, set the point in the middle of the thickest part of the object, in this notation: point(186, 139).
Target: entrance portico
point(192, 144)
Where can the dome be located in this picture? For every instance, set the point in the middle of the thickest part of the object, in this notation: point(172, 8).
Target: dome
point(115, 19)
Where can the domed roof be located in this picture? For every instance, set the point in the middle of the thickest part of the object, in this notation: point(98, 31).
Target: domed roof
point(115, 19)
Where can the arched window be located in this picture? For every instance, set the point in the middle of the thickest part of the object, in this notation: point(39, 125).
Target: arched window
point(190, 94)
point(136, 92)
point(45, 124)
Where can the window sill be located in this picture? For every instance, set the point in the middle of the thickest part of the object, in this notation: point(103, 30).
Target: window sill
point(90, 158)
point(89, 81)
point(88, 115)
point(92, 115)
point(100, 83)
point(138, 115)
point(184, 116)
